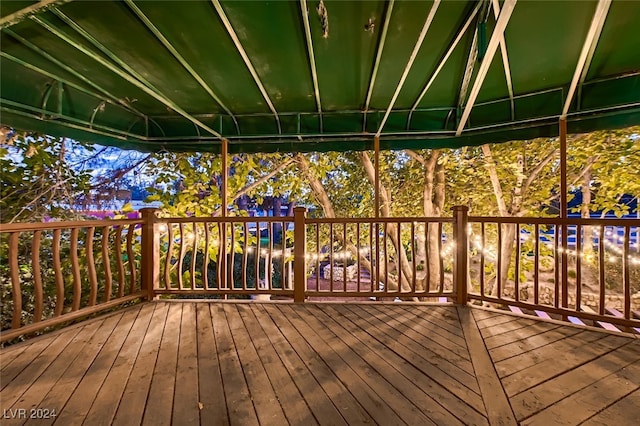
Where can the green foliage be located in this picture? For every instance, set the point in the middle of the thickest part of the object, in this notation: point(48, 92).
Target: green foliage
point(37, 179)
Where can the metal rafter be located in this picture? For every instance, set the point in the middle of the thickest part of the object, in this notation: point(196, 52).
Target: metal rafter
point(24, 13)
point(312, 59)
point(245, 58)
point(443, 61)
point(49, 57)
point(376, 64)
point(167, 44)
point(64, 123)
point(468, 68)
point(68, 83)
point(498, 31)
point(130, 75)
point(505, 59)
point(586, 55)
point(412, 58)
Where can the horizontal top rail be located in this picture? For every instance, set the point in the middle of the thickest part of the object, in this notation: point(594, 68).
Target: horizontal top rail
point(238, 219)
point(381, 220)
point(556, 221)
point(41, 226)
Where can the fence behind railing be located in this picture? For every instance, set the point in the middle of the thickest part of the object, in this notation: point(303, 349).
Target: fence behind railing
point(59, 271)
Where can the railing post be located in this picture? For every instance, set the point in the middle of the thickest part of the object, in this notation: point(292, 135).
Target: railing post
point(460, 236)
point(299, 254)
point(150, 263)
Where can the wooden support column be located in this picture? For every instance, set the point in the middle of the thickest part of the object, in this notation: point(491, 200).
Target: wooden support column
point(224, 205)
point(563, 213)
point(460, 236)
point(376, 148)
point(150, 263)
point(299, 254)
point(563, 168)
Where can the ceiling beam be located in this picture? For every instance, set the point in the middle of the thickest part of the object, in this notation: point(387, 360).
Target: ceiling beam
point(498, 31)
point(586, 55)
point(312, 59)
point(505, 59)
point(245, 58)
point(412, 58)
point(131, 75)
point(22, 14)
point(376, 64)
point(165, 42)
point(443, 61)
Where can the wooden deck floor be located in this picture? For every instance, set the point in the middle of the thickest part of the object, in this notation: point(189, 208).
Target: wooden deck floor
point(272, 364)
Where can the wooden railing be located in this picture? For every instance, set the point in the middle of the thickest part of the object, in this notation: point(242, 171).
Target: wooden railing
point(57, 272)
point(384, 258)
point(216, 256)
point(60, 271)
point(575, 269)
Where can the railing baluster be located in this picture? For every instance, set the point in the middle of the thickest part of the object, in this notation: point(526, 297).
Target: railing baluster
point(91, 266)
point(119, 231)
point(106, 265)
point(57, 268)
point(194, 255)
point(440, 259)
point(399, 247)
point(413, 256)
point(344, 256)
point(377, 242)
point(579, 268)
point(330, 257)
point(15, 280)
point(536, 268)
point(358, 264)
point(283, 246)
point(385, 247)
point(256, 275)
point(499, 262)
point(427, 254)
point(245, 255)
point(318, 257)
point(626, 284)
point(205, 261)
point(517, 265)
point(37, 276)
point(269, 258)
point(556, 267)
point(183, 249)
point(131, 258)
point(167, 263)
point(75, 268)
point(231, 254)
point(601, 266)
point(483, 250)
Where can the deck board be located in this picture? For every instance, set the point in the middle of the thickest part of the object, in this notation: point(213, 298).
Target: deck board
point(220, 363)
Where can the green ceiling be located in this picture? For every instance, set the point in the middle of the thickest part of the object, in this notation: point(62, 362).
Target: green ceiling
point(178, 75)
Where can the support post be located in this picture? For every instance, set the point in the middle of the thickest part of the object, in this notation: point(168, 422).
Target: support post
point(150, 262)
point(299, 254)
point(563, 213)
point(376, 199)
point(223, 201)
point(460, 236)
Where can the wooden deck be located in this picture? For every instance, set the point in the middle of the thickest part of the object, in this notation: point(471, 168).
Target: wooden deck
point(278, 363)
